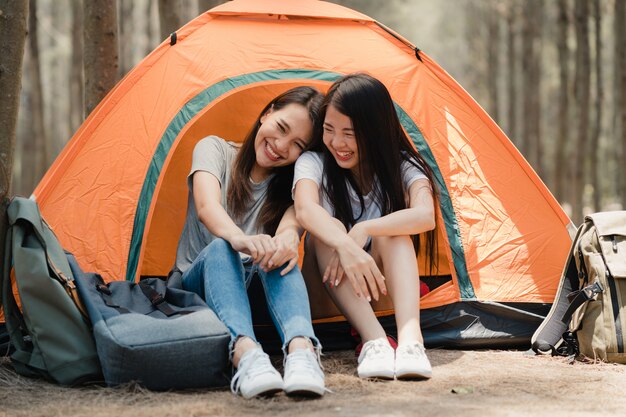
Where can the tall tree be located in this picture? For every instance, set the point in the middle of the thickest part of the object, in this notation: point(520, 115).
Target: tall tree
point(511, 58)
point(126, 38)
point(13, 18)
point(597, 128)
point(142, 42)
point(583, 68)
point(100, 50)
point(561, 151)
point(205, 5)
point(37, 147)
point(171, 16)
point(77, 92)
point(531, 82)
point(620, 90)
point(477, 67)
point(153, 24)
point(493, 58)
point(57, 68)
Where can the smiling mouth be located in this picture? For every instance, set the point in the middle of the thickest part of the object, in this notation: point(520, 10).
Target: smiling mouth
point(271, 154)
point(344, 156)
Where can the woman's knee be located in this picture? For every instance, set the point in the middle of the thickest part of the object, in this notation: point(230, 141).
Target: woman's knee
point(338, 223)
point(219, 245)
point(218, 248)
point(315, 244)
point(384, 244)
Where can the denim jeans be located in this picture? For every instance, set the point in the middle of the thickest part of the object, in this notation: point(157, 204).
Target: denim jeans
point(219, 276)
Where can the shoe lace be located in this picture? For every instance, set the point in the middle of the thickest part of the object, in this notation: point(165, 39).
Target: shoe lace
point(374, 349)
point(310, 362)
point(303, 360)
point(414, 349)
point(253, 364)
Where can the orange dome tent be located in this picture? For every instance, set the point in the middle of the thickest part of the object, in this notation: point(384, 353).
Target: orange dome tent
point(116, 195)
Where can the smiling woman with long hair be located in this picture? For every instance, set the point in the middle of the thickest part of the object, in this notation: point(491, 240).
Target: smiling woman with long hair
point(366, 197)
point(240, 225)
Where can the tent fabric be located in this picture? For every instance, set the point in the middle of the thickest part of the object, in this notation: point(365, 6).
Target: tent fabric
point(116, 195)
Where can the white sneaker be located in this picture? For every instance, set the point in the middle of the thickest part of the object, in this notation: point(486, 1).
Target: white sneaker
point(256, 375)
point(376, 359)
point(412, 362)
point(303, 374)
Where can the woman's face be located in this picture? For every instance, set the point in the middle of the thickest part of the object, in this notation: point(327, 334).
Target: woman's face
point(339, 138)
point(283, 135)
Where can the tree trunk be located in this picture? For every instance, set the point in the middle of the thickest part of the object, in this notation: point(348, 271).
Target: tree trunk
point(100, 51)
point(38, 149)
point(57, 66)
point(531, 53)
point(13, 18)
point(562, 150)
point(76, 81)
point(142, 43)
point(583, 67)
point(620, 91)
point(595, 138)
point(512, 70)
point(475, 68)
point(493, 59)
point(205, 5)
point(153, 24)
point(171, 18)
point(126, 36)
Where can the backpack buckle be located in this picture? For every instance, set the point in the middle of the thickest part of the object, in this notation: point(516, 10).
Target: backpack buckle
point(157, 299)
point(103, 289)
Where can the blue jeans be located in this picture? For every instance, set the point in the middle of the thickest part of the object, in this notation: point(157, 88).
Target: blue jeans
point(219, 276)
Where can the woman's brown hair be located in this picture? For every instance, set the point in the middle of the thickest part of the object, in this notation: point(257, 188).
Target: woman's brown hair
point(278, 197)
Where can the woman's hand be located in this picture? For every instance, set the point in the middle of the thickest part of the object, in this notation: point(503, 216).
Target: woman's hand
point(257, 246)
point(286, 243)
point(334, 272)
point(352, 261)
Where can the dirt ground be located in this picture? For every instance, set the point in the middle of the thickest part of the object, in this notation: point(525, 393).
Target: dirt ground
point(487, 383)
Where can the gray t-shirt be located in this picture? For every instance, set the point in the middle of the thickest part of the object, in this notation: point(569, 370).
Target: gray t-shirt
point(215, 156)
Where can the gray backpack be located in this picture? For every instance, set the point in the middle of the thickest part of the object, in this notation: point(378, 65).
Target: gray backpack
point(52, 339)
point(588, 316)
point(161, 337)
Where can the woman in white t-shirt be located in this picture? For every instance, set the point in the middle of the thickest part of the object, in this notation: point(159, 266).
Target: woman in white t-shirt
point(365, 199)
point(240, 226)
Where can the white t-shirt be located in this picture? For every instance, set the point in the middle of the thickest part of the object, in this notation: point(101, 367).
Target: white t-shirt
point(310, 165)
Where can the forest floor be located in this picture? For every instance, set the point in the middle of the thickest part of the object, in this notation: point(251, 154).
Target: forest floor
point(465, 384)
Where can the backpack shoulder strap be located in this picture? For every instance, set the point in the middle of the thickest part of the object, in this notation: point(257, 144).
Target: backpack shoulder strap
point(25, 356)
point(158, 300)
point(549, 334)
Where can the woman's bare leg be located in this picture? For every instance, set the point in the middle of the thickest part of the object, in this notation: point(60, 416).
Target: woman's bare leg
point(399, 263)
point(357, 310)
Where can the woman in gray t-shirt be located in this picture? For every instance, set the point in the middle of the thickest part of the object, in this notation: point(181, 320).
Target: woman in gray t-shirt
point(241, 224)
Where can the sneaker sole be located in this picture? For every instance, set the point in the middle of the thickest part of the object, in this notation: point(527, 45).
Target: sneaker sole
point(310, 391)
point(414, 375)
point(376, 375)
point(263, 392)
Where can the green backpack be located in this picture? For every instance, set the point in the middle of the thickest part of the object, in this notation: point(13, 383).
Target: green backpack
point(588, 316)
point(50, 334)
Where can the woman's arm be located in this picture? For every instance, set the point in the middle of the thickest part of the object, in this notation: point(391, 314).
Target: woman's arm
point(314, 218)
point(207, 198)
point(287, 240)
point(419, 217)
point(357, 264)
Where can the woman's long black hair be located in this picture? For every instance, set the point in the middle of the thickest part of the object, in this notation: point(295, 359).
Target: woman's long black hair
point(382, 148)
point(278, 197)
